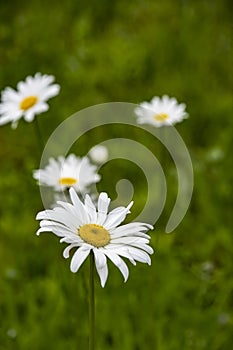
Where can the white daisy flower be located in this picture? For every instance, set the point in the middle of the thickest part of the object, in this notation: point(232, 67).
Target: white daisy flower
point(161, 111)
point(99, 154)
point(29, 100)
point(67, 172)
point(87, 228)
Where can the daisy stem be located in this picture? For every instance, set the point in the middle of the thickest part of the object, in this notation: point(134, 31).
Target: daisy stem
point(163, 149)
point(92, 304)
point(162, 157)
point(38, 135)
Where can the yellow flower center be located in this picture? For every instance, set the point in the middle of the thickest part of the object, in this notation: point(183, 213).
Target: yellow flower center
point(95, 235)
point(68, 181)
point(28, 102)
point(160, 117)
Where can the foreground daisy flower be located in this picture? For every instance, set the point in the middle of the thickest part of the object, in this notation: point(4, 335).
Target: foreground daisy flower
point(87, 229)
point(29, 100)
point(161, 111)
point(67, 172)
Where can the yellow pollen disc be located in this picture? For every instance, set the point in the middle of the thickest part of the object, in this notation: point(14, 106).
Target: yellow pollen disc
point(28, 102)
point(161, 117)
point(68, 181)
point(95, 235)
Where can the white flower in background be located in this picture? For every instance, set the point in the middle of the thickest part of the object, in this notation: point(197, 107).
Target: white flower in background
point(224, 318)
point(99, 154)
point(67, 172)
point(87, 228)
point(28, 100)
point(161, 111)
point(215, 154)
point(12, 333)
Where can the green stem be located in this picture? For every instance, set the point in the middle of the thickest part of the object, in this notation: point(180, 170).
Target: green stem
point(162, 158)
point(38, 135)
point(163, 149)
point(92, 305)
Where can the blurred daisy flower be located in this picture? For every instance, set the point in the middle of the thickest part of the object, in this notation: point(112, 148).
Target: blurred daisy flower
point(87, 228)
point(67, 172)
point(28, 100)
point(161, 111)
point(99, 154)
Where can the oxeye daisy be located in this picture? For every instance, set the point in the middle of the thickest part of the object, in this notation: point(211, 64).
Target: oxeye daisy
point(67, 172)
point(89, 228)
point(161, 111)
point(99, 154)
point(28, 100)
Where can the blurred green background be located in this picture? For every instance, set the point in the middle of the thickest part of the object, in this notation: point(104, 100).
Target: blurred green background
point(106, 51)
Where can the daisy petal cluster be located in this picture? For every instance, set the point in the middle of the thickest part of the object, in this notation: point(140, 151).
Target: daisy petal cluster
point(161, 111)
point(67, 172)
point(28, 100)
point(89, 228)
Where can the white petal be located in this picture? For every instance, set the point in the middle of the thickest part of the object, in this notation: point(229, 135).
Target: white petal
point(78, 258)
point(121, 250)
point(10, 94)
point(103, 203)
point(49, 92)
point(131, 229)
point(29, 115)
point(116, 216)
point(66, 251)
point(101, 265)
point(11, 117)
point(120, 264)
point(130, 240)
point(90, 208)
point(140, 255)
point(60, 215)
point(74, 214)
point(144, 247)
point(43, 229)
point(79, 205)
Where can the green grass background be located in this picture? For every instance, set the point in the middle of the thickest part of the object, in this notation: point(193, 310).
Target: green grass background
point(129, 51)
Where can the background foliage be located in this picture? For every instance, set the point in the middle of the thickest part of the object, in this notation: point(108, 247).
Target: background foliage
point(104, 51)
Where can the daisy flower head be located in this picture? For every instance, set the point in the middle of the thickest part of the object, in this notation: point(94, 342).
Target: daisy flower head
point(28, 100)
point(67, 172)
point(99, 154)
point(89, 228)
point(161, 111)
